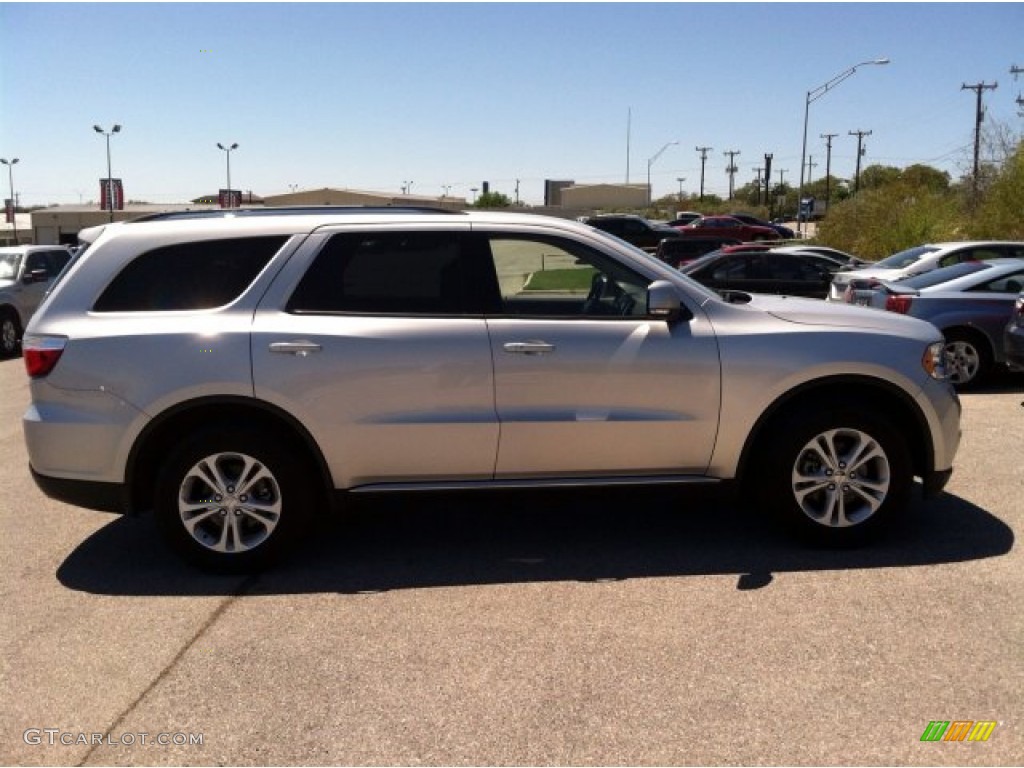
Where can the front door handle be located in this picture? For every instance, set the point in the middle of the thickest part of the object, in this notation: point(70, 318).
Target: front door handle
point(529, 347)
point(297, 348)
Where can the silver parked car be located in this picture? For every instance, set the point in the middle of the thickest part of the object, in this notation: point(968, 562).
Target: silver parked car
point(970, 303)
point(235, 372)
point(26, 272)
point(924, 258)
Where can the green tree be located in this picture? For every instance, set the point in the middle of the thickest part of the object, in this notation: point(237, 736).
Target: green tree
point(492, 200)
point(925, 176)
point(876, 176)
point(880, 221)
point(1000, 213)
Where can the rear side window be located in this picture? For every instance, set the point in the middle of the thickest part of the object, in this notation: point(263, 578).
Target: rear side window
point(188, 276)
point(384, 273)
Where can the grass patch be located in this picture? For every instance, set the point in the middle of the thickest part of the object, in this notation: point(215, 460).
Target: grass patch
point(568, 280)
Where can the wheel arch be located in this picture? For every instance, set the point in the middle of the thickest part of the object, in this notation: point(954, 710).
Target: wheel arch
point(875, 394)
point(158, 437)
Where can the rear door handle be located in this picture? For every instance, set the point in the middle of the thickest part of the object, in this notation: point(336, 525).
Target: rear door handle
point(297, 348)
point(529, 347)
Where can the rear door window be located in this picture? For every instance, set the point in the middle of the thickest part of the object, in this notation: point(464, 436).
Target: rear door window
point(392, 273)
point(189, 276)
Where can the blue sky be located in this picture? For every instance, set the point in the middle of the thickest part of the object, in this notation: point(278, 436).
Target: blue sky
point(370, 96)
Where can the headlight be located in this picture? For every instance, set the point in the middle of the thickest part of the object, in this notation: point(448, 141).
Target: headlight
point(934, 360)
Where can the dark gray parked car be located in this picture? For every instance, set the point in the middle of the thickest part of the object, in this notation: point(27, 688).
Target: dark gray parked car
point(969, 302)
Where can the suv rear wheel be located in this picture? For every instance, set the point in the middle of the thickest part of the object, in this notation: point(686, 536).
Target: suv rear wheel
point(232, 501)
point(837, 477)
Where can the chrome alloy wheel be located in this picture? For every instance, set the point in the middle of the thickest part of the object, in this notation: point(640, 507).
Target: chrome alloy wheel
point(963, 361)
point(229, 502)
point(841, 477)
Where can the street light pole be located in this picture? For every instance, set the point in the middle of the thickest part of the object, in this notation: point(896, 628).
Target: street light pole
point(812, 96)
point(227, 152)
point(110, 180)
point(14, 207)
point(650, 163)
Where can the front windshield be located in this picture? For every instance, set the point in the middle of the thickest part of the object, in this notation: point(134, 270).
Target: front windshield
point(905, 258)
point(9, 265)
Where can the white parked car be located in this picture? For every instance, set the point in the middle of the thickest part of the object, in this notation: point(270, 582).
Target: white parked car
point(924, 258)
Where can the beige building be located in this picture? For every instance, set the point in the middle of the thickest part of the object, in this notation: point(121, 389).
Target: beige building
point(334, 196)
point(60, 224)
point(22, 225)
point(605, 196)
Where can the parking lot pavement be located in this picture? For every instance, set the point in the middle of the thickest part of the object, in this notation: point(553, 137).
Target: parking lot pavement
point(622, 628)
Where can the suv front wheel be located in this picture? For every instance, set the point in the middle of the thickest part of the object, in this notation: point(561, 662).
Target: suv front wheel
point(231, 501)
point(838, 477)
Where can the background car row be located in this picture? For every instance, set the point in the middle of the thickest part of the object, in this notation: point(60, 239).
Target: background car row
point(968, 290)
point(970, 303)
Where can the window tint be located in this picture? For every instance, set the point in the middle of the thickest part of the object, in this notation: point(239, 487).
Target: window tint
point(553, 277)
point(58, 260)
point(905, 258)
point(733, 268)
point(384, 273)
point(943, 274)
point(37, 260)
point(1012, 283)
point(200, 275)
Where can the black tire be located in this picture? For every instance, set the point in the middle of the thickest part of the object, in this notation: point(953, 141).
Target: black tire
point(968, 358)
point(238, 525)
point(836, 476)
point(10, 333)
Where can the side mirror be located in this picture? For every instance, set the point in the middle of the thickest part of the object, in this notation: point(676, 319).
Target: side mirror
point(35, 276)
point(663, 302)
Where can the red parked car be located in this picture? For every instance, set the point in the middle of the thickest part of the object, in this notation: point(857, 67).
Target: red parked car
point(727, 226)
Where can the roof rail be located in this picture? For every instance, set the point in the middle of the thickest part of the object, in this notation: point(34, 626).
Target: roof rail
point(297, 210)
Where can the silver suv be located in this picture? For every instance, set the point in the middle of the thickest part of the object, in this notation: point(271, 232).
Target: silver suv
point(26, 272)
point(236, 372)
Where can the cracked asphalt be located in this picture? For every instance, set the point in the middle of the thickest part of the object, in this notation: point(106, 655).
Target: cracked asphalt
point(614, 628)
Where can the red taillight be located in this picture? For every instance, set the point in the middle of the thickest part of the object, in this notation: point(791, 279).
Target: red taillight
point(41, 353)
point(899, 304)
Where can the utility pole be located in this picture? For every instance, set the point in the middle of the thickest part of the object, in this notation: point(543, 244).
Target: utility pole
point(767, 182)
point(781, 189)
point(979, 116)
point(758, 171)
point(731, 168)
point(860, 153)
point(703, 159)
point(828, 167)
point(1015, 70)
point(811, 165)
